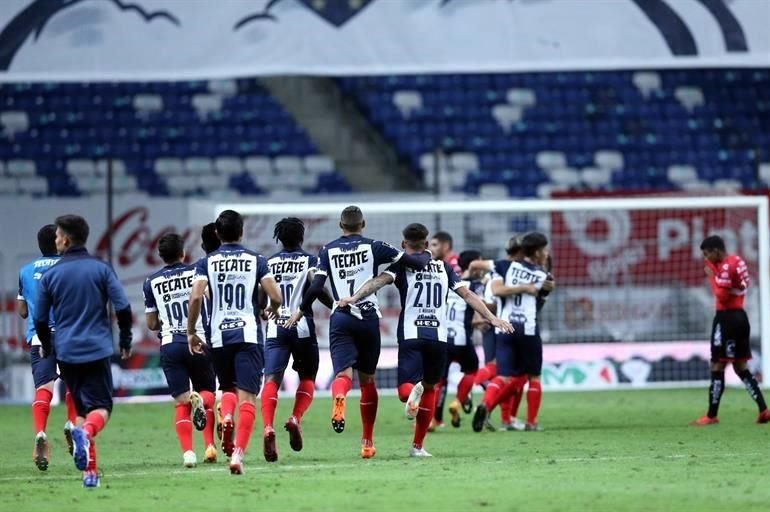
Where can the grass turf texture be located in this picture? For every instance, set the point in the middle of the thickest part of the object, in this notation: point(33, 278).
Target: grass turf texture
point(605, 451)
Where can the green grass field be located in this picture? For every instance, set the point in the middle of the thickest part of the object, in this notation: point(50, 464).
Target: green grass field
point(608, 451)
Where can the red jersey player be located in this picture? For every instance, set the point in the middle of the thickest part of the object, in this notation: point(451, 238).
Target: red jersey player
point(729, 279)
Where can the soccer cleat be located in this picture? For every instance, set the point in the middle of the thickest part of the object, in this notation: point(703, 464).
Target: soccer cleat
point(533, 427)
point(41, 452)
point(704, 421)
point(454, 412)
point(295, 433)
point(198, 411)
point(489, 426)
point(81, 443)
point(218, 420)
point(211, 454)
point(480, 418)
point(468, 405)
point(190, 459)
point(228, 435)
point(236, 462)
point(412, 406)
point(516, 425)
point(269, 448)
point(90, 479)
point(338, 414)
point(764, 416)
point(368, 451)
point(419, 453)
point(434, 425)
point(68, 435)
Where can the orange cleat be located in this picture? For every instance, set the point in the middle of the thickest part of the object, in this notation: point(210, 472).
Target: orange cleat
point(704, 421)
point(368, 451)
point(338, 414)
point(764, 416)
point(211, 454)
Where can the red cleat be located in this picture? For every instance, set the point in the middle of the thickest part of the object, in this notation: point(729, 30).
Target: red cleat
point(764, 416)
point(295, 434)
point(704, 421)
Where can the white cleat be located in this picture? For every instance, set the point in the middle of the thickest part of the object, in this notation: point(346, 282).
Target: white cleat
point(236, 462)
point(412, 406)
point(190, 459)
point(515, 425)
point(419, 453)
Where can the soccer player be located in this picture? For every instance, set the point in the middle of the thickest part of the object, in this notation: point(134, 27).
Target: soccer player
point(729, 279)
point(422, 327)
point(77, 289)
point(459, 339)
point(43, 370)
point(354, 331)
point(209, 243)
point(293, 269)
point(233, 275)
point(166, 301)
point(519, 356)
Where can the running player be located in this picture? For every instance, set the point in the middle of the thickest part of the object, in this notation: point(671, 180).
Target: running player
point(209, 243)
point(233, 275)
point(729, 279)
point(293, 269)
point(43, 370)
point(354, 331)
point(519, 356)
point(166, 301)
point(422, 327)
point(459, 339)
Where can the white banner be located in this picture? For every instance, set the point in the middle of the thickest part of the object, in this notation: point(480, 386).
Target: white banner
point(201, 39)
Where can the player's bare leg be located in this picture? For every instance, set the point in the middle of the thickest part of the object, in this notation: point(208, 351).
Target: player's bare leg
point(41, 408)
point(247, 411)
point(269, 402)
point(716, 388)
point(752, 387)
point(368, 405)
point(341, 386)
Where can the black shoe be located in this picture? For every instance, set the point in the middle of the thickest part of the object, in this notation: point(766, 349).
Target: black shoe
point(468, 405)
point(479, 418)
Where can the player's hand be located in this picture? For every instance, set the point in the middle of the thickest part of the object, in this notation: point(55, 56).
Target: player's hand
point(125, 353)
point(293, 319)
point(531, 289)
point(503, 326)
point(43, 353)
point(708, 271)
point(549, 285)
point(345, 302)
point(263, 314)
point(195, 344)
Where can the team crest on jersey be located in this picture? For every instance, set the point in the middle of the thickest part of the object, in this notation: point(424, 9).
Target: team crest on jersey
point(229, 324)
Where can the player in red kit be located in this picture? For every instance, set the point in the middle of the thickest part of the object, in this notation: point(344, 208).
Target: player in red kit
point(729, 279)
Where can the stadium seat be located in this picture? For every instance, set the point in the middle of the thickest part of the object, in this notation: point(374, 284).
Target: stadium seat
point(689, 97)
point(145, 104)
point(198, 166)
point(287, 165)
point(595, 177)
point(464, 162)
point(609, 159)
point(764, 173)
point(318, 164)
point(118, 167)
point(258, 165)
point(181, 185)
point(549, 160)
point(223, 87)
point(20, 168)
point(727, 185)
point(14, 122)
point(523, 98)
point(506, 115)
point(493, 191)
point(565, 177)
point(169, 166)
point(211, 182)
point(8, 186)
point(81, 168)
point(407, 102)
point(647, 82)
point(228, 165)
point(206, 104)
point(33, 185)
point(682, 174)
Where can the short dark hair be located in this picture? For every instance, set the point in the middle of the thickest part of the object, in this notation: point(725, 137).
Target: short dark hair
point(229, 226)
point(533, 242)
point(290, 231)
point(466, 257)
point(415, 233)
point(713, 242)
point(170, 248)
point(352, 218)
point(46, 240)
point(514, 245)
point(444, 238)
point(75, 227)
point(209, 240)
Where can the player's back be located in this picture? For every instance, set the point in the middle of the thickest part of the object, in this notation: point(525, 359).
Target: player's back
point(233, 274)
point(350, 261)
point(167, 292)
point(424, 300)
point(291, 270)
point(520, 309)
point(729, 282)
point(460, 315)
point(29, 276)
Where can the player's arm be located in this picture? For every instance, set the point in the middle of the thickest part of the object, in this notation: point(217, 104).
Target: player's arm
point(42, 316)
point(193, 313)
point(21, 303)
point(500, 289)
point(386, 254)
point(482, 265)
point(324, 298)
point(314, 291)
point(150, 307)
point(371, 286)
point(122, 307)
point(272, 292)
point(479, 307)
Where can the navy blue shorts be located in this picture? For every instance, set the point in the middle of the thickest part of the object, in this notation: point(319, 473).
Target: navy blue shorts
point(519, 354)
point(239, 365)
point(43, 370)
point(489, 343)
point(304, 351)
point(354, 343)
point(464, 355)
point(181, 368)
point(421, 360)
point(90, 384)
